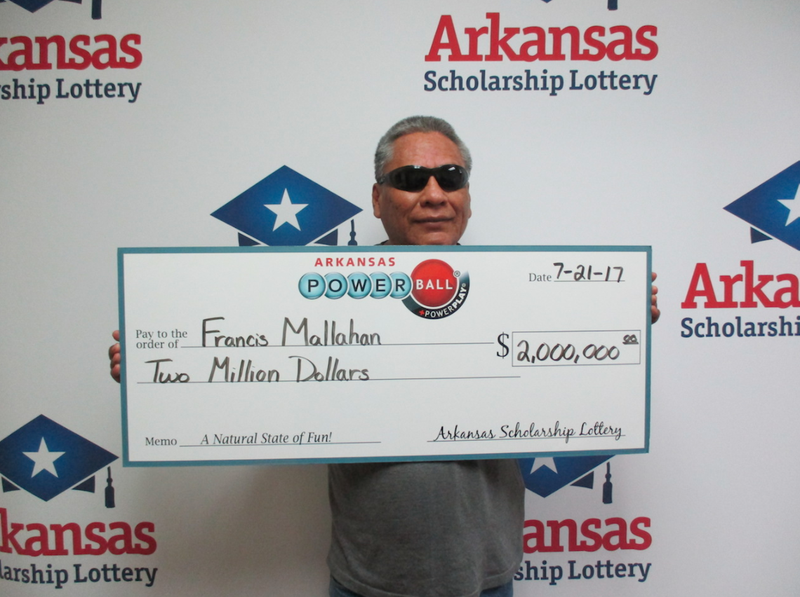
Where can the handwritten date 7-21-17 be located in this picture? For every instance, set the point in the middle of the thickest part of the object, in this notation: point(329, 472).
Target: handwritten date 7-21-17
point(589, 273)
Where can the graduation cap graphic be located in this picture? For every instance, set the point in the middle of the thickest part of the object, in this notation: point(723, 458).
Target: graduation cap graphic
point(287, 209)
point(34, 5)
point(545, 476)
point(46, 459)
point(773, 208)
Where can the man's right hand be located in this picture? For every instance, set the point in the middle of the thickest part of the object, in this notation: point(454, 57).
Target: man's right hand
point(114, 356)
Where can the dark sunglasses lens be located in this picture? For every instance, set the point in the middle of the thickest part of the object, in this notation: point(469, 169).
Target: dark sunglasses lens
point(413, 179)
point(451, 178)
point(410, 179)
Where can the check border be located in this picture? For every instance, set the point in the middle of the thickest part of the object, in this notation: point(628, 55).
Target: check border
point(122, 251)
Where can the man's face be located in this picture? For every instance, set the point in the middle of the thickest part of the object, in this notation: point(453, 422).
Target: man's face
point(430, 216)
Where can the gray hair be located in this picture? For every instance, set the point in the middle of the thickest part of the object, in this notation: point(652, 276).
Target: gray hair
point(417, 124)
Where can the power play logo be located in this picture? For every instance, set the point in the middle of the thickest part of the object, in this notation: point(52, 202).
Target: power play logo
point(434, 290)
point(438, 291)
point(34, 5)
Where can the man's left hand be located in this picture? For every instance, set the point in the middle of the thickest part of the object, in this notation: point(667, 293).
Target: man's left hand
point(655, 312)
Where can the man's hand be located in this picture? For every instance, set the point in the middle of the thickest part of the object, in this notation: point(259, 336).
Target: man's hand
point(114, 357)
point(655, 312)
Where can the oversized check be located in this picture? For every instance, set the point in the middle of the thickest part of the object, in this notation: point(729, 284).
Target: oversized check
point(262, 354)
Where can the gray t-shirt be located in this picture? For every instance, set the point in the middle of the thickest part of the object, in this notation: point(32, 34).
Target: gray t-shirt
point(426, 529)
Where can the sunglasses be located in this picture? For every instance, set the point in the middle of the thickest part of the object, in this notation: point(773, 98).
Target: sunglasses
point(413, 179)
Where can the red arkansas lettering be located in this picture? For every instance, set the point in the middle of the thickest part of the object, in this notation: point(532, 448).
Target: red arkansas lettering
point(753, 289)
point(589, 536)
point(531, 42)
point(80, 52)
point(96, 539)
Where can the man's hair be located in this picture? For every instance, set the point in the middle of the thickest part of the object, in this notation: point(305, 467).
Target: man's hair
point(416, 124)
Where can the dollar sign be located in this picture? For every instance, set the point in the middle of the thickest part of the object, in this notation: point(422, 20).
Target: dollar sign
point(500, 339)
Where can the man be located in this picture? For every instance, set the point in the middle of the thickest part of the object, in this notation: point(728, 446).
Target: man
point(437, 528)
point(423, 529)
point(429, 529)
point(431, 215)
point(432, 529)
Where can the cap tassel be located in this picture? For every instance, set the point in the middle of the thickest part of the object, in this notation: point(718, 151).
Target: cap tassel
point(607, 486)
point(109, 491)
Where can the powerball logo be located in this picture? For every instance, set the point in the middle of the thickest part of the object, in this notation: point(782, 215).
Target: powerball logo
point(434, 290)
point(34, 5)
point(438, 290)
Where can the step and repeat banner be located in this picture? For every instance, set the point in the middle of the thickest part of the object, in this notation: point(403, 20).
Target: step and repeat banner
point(668, 125)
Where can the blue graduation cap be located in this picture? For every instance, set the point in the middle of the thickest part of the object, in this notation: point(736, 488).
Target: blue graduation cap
point(45, 459)
point(773, 208)
point(286, 209)
point(545, 476)
point(34, 5)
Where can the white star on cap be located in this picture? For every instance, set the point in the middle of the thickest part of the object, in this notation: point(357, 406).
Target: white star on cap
point(44, 460)
point(286, 211)
point(539, 462)
point(794, 207)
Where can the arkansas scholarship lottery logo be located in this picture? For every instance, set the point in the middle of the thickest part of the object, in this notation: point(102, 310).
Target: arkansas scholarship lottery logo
point(574, 58)
point(584, 547)
point(747, 289)
point(564, 550)
point(45, 460)
point(62, 55)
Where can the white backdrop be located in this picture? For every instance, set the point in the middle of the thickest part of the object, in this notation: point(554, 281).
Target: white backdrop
point(231, 91)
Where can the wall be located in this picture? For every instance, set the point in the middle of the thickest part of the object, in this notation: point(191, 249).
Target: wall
point(217, 95)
